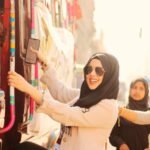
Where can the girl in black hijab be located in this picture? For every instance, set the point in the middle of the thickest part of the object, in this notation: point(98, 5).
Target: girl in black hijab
point(127, 135)
point(88, 122)
point(142, 102)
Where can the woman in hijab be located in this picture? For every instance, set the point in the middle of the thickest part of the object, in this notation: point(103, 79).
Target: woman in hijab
point(129, 136)
point(93, 112)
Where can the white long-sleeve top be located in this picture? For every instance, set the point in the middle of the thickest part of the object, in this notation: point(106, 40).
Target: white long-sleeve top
point(89, 130)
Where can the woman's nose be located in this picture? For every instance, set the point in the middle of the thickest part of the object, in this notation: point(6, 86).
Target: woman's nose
point(93, 72)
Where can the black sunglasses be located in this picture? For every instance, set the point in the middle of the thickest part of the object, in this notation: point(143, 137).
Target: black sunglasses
point(99, 70)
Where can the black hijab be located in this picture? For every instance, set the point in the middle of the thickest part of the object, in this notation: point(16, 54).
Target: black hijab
point(143, 103)
point(109, 87)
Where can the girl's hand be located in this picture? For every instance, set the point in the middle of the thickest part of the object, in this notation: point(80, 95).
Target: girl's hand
point(124, 147)
point(119, 110)
point(17, 81)
point(40, 58)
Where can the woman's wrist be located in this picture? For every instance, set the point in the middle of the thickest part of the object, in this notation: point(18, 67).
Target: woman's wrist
point(120, 110)
point(44, 65)
point(28, 90)
point(35, 94)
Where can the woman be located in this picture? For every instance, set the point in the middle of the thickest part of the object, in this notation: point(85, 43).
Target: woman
point(87, 123)
point(129, 136)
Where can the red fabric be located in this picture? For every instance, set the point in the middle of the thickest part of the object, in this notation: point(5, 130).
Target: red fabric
point(74, 10)
point(78, 13)
point(5, 49)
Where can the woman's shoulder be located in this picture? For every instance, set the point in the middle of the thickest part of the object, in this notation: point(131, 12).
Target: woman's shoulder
point(110, 104)
point(109, 108)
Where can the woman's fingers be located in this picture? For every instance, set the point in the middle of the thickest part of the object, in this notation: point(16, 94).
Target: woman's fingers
point(34, 50)
point(16, 80)
point(40, 56)
point(11, 83)
point(12, 73)
point(12, 78)
point(38, 53)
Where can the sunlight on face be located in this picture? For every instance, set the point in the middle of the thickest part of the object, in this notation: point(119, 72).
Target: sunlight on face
point(137, 92)
point(93, 79)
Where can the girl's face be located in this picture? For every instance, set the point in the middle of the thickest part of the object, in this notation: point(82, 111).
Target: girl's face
point(94, 74)
point(137, 92)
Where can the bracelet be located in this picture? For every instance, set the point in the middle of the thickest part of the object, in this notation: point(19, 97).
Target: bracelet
point(42, 99)
point(44, 66)
point(120, 110)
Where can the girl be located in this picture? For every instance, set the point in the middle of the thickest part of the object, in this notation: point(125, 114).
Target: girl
point(87, 123)
point(127, 135)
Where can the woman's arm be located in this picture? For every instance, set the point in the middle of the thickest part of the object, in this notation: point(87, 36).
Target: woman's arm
point(138, 117)
point(17, 81)
point(63, 113)
point(97, 116)
point(57, 88)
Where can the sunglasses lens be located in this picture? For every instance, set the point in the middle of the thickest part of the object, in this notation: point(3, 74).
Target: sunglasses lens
point(88, 69)
point(99, 71)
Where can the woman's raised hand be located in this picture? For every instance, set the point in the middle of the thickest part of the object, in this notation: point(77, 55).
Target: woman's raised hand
point(17, 81)
point(38, 53)
point(40, 58)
